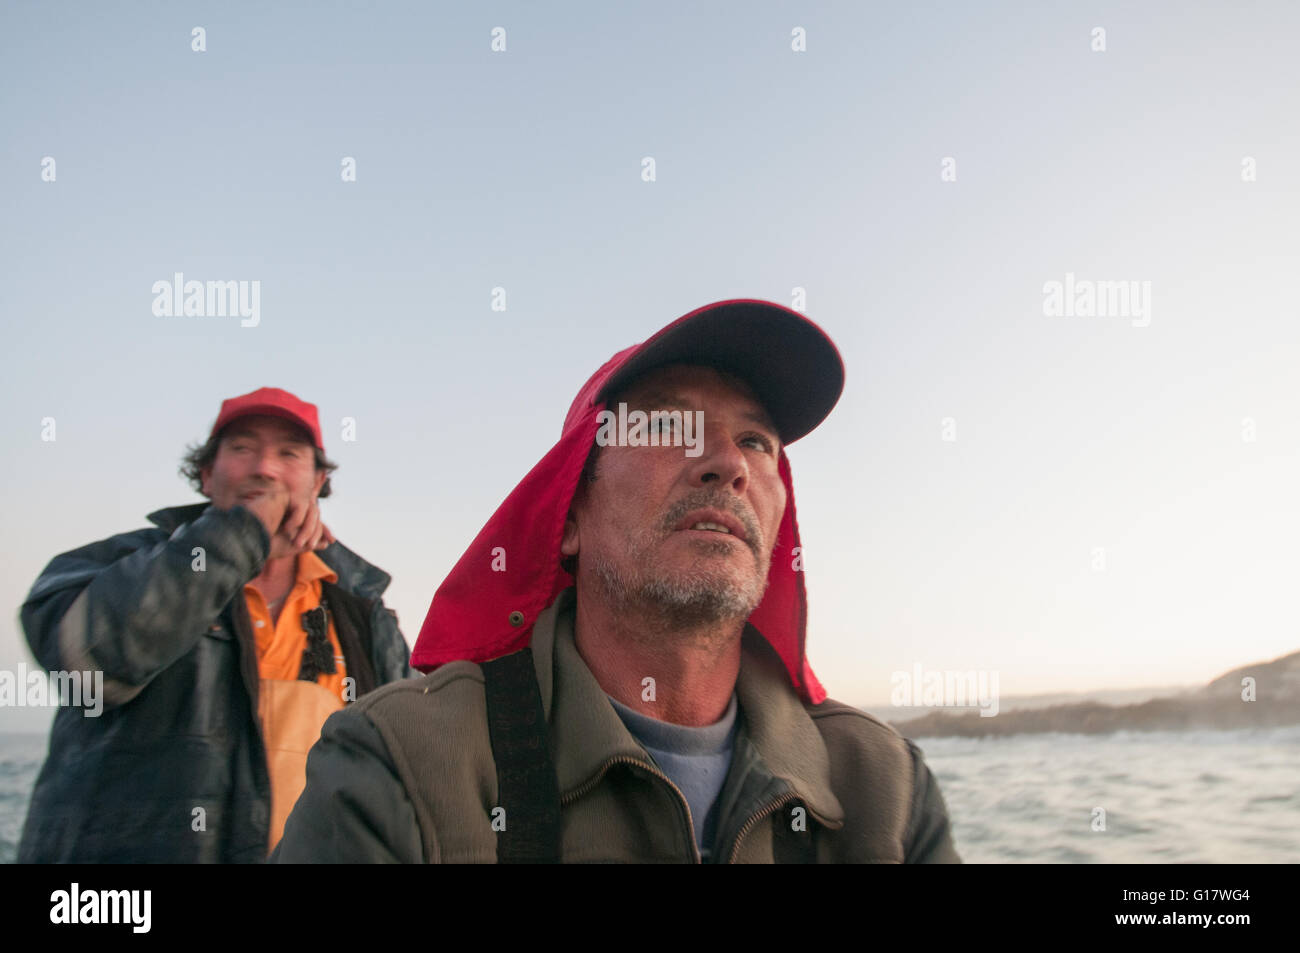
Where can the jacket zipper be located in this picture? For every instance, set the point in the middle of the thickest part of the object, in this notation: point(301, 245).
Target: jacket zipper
point(767, 809)
point(681, 798)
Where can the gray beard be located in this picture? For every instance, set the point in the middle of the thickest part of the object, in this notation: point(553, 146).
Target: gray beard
point(691, 601)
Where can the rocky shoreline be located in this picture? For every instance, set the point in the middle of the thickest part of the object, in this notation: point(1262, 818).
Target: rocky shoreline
point(1221, 705)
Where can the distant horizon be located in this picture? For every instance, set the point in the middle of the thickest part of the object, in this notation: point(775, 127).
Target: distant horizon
point(876, 707)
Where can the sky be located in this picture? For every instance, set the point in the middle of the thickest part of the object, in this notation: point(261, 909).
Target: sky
point(1102, 498)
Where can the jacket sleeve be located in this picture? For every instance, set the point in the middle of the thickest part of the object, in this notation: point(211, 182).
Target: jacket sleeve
point(132, 605)
point(929, 834)
point(354, 809)
point(391, 655)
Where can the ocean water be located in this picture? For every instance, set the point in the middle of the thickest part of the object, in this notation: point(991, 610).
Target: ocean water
point(1168, 797)
point(21, 757)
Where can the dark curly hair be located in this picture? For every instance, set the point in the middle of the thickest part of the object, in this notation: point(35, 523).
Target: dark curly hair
point(200, 456)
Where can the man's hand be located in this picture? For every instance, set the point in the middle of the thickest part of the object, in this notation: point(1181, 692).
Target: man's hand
point(294, 525)
point(269, 506)
point(301, 530)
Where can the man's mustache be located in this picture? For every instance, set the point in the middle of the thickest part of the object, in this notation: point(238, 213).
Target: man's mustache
point(706, 499)
point(254, 485)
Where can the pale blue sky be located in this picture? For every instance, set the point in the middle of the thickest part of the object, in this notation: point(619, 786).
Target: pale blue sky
point(775, 169)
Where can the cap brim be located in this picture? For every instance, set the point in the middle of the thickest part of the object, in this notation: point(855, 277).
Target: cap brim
point(793, 367)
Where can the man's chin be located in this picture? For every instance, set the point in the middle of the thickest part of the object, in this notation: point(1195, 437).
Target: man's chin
point(696, 608)
point(684, 600)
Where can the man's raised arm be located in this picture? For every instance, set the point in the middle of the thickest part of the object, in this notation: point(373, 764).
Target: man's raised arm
point(131, 606)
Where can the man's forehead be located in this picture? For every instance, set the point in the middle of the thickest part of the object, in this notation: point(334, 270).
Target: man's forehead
point(681, 384)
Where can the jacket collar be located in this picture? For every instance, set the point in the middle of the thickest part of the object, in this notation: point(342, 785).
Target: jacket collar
point(355, 574)
point(586, 732)
point(172, 518)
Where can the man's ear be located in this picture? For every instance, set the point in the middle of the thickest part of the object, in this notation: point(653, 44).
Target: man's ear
point(205, 474)
point(569, 541)
point(321, 477)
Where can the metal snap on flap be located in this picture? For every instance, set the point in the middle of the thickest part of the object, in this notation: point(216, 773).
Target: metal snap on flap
point(516, 618)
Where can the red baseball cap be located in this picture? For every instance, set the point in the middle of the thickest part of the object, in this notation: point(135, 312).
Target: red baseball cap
point(272, 402)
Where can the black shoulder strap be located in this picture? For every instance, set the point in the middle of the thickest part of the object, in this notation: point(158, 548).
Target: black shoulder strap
point(526, 783)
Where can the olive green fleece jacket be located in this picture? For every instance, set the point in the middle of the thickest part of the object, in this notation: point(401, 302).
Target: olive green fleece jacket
point(406, 774)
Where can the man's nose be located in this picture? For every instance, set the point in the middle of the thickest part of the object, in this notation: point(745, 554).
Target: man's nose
point(268, 464)
point(721, 464)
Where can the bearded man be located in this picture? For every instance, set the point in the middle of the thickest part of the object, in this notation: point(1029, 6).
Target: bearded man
point(616, 665)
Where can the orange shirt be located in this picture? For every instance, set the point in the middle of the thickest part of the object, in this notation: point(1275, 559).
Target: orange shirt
point(292, 711)
point(280, 644)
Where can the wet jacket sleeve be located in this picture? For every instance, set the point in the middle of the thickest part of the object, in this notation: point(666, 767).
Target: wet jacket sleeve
point(132, 605)
point(929, 833)
point(354, 809)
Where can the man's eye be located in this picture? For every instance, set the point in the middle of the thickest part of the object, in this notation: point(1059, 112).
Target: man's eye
point(759, 440)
